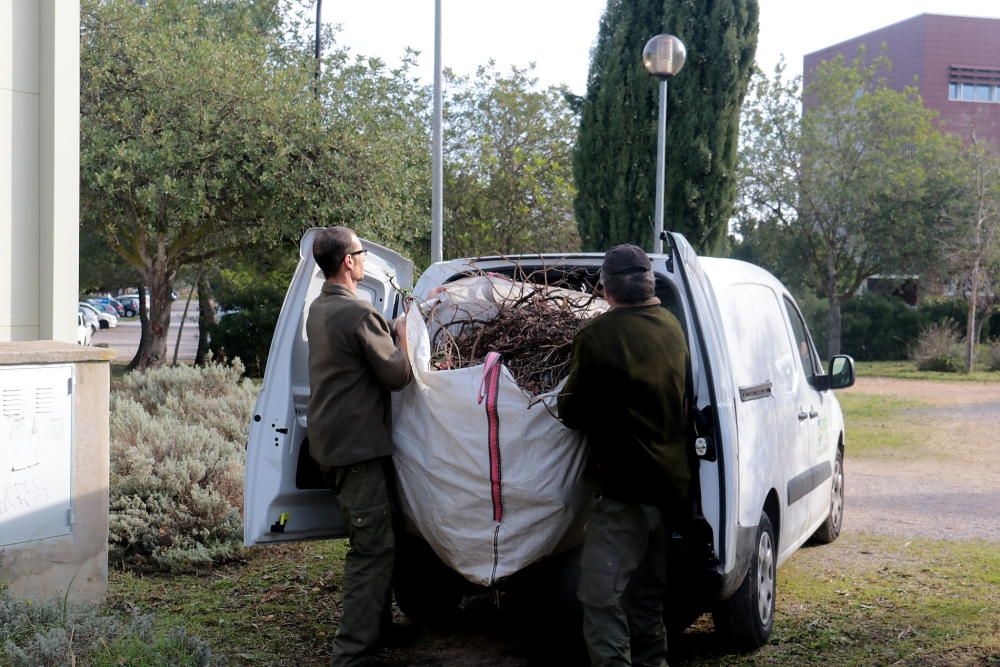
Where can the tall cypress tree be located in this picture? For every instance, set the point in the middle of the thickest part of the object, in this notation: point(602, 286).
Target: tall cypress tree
point(615, 158)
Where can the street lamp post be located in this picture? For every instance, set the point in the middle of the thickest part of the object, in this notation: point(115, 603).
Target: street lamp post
point(663, 57)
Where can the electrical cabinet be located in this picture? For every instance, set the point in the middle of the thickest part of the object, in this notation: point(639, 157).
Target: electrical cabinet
point(36, 452)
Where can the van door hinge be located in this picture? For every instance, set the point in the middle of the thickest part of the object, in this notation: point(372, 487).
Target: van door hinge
point(70, 384)
point(70, 517)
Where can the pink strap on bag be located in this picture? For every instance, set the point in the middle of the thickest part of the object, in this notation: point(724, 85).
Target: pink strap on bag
point(490, 390)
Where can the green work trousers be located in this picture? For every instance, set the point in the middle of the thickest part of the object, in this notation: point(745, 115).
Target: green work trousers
point(364, 494)
point(622, 583)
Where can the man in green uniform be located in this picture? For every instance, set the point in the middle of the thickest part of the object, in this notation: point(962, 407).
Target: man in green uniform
point(353, 364)
point(625, 391)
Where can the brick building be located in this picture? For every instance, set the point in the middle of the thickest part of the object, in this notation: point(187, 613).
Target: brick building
point(954, 61)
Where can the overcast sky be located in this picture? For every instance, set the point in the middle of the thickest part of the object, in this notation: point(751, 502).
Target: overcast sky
point(557, 34)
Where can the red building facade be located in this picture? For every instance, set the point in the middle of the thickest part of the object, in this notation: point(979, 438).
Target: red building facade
point(954, 61)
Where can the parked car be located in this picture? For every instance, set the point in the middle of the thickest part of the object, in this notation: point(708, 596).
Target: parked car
point(90, 317)
point(83, 331)
point(118, 310)
point(130, 304)
point(767, 451)
point(104, 319)
point(103, 305)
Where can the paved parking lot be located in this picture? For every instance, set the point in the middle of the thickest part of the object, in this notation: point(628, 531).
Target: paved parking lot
point(124, 339)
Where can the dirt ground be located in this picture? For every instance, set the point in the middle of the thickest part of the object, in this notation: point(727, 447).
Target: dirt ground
point(947, 485)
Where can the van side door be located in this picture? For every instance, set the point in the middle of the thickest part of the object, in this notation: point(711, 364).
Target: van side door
point(814, 409)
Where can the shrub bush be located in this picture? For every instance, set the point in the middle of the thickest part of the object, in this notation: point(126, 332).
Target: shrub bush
point(59, 634)
point(177, 461)
point(252, 297)
point(939, 348)
point(993, 355)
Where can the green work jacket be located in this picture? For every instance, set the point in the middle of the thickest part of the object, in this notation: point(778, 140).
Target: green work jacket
point(625, 391)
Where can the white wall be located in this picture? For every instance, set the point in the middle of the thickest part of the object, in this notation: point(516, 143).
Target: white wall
point(39, 169)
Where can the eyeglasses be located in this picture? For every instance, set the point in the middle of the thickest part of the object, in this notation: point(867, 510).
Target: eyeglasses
point(363, 251)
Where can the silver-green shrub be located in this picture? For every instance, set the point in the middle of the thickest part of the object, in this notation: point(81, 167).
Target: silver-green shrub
point(177, 460)
point(993, 355)
point(59, 634)
point(939, 348)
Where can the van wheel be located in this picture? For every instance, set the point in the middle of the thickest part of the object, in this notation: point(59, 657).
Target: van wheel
point(830, 529)
point(747, 617)
point(426, 589)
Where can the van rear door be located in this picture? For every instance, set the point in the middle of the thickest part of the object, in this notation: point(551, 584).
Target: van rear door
point(713, 390)
point(284, 497)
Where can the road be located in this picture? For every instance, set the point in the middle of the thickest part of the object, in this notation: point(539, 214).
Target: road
point(124, 339)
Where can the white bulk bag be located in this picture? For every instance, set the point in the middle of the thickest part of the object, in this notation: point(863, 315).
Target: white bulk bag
point(488, 507)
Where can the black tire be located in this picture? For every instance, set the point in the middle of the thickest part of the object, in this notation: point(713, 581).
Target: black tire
point(129, 312)
point(830, 529)
point(747, 618)
point(426, 589)
point(104, 324)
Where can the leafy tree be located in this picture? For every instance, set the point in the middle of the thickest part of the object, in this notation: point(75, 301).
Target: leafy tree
point(973, 236)
point(203, 131)
point(615, 157)
point(508, 174)
point(855, 187)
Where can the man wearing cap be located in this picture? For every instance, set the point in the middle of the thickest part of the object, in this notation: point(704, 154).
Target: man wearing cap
point(353, 364)
point(625, 391)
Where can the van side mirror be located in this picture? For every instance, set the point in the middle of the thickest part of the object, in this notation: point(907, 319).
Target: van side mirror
point(841, 371)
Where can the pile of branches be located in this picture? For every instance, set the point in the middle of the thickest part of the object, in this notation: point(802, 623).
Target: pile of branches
point(533, 332)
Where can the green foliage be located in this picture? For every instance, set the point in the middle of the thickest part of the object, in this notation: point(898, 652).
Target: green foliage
point(177, 459)
point(508, 174)
point(855, 187)
point(250, 296)
point(57, 633)
point(203, 130)
point(939, 348)
point(615, 157)
point(877, 327)
point(993, 355)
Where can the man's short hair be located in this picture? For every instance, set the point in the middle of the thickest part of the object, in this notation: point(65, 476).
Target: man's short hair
point(330, 247)
point(629, 288)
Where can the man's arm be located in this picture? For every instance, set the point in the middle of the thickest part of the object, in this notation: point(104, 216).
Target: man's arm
point(575, 400)
point(389, 363)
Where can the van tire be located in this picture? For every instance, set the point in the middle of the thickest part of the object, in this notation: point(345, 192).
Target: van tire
point(830, 529)
point(426, 589)
point(746, 619)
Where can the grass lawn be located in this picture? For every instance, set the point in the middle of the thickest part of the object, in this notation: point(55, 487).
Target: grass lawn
point(877, 424)
point(907, 370)
point(861, 601)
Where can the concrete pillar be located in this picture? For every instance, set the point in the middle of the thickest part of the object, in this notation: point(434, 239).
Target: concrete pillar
point(39, 169)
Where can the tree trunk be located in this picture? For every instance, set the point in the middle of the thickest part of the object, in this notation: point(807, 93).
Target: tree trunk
point(161, 279)
point(180, 326)
point(143, 330)
point(971, 330)
point(833, 342)
point(206, 318)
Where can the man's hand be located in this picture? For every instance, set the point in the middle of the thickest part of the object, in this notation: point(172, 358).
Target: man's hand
point(399, 326)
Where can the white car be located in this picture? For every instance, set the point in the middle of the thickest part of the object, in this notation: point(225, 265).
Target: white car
point(105, 320)
point(767, 452)
point(83, 331)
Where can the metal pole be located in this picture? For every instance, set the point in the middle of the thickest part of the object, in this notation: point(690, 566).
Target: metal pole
point(437, 174)
point(661, 149)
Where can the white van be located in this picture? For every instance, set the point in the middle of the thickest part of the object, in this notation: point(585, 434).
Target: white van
point(767, 449)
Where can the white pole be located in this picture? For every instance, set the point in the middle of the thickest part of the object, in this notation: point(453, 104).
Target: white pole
point(661, 149)
point(437, 173)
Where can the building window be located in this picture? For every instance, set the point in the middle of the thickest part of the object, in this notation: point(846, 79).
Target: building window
point(974, 83)
point(973, 92)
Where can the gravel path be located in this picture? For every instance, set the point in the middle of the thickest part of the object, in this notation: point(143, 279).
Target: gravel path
point(947, 486)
